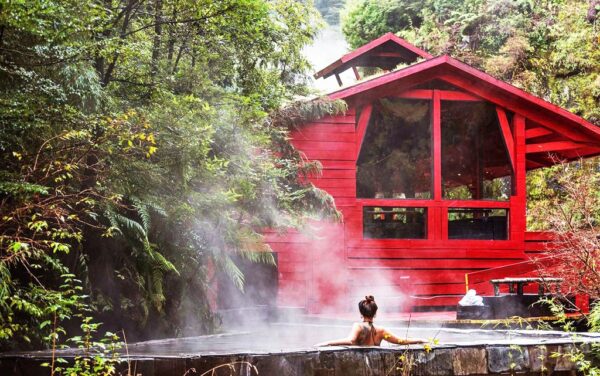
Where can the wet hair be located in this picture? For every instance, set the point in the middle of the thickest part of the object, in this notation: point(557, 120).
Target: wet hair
point(368, 307)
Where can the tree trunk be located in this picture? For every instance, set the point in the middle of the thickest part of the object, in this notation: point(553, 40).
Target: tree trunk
point(157, 39)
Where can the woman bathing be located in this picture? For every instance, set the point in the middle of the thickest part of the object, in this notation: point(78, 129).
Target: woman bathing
point(367, 334)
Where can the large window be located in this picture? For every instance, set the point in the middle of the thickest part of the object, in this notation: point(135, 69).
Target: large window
point(484, 224)
point(395, 158)
point(475, 162)
point(433, 150)
point(394, 223)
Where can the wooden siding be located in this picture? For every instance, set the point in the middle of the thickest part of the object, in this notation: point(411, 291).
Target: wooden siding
point(336, 264)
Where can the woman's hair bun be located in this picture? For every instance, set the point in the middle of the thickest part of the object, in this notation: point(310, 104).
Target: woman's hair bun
point(369, 298)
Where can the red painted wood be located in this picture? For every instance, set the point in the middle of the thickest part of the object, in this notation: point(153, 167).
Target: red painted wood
point(337, 174)
point(288, 267)
point(539, 235)
point(434, 301)
point(445, 95)
point(317, 127)
point(507, 135)
point(338, 165)
point(298, 257)
point(437, 147)
point(337, 119)
point(337, 155)
point(284, 238)
point(518, 222)
point(351, 59)
point(531, 165)
point(481, 84)
point(342, 202)
point(359, 242)
point(537, 132)
point(553, 146)
point(546, 117)
point(522, 96)
point(512, 270)
point(381, 40)
point(584, 152)
point(322, 145)
point(417, 264)
point(448, 95)
point(416, 94)
point(430, 203)
point(337, 259)
point(428, 253)
point(435, 224)
point(537, 246)
point(341, 192)
point(335, 183)
point(361, 128)
point(292, 275)
point(408, 74)
point(444, 223)
point(405, 289)
point(366, 276)
point(315, 135)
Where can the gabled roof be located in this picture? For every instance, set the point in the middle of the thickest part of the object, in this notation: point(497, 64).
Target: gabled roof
point(385, 52)
point(471, 80)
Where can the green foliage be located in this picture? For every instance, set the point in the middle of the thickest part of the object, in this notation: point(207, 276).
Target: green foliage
point(548, 48)
point(583, 355)
point(363, 21)
point(140, 150)
point(569, 192)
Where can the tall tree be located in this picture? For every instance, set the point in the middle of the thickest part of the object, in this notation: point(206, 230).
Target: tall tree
point(137, 155)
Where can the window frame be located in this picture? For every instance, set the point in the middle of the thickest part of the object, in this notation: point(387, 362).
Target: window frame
point(437, 207)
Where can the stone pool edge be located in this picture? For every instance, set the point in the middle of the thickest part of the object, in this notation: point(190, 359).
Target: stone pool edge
point(346, 361)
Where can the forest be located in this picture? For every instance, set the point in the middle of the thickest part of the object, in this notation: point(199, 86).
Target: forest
point(144, 143)
point(141, 150)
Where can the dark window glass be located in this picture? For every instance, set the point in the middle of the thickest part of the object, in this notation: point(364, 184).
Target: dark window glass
point(395, 158)
point(490, 224)
point(394, 223)
point(475, 162)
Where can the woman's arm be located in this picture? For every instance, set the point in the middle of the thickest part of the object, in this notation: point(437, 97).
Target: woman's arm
point(401, 341)
point(349, 341)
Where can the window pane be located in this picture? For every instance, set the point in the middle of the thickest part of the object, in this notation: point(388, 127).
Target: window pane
point(491, 224)
point(394, 223)
point(395, 158)
point(475, 162)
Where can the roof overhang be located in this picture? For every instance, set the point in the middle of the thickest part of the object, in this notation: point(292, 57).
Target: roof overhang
point(583, 136)
point(385, 52)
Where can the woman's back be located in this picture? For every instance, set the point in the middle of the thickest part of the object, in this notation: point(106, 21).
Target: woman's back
point(368, 334)
point(365, 333)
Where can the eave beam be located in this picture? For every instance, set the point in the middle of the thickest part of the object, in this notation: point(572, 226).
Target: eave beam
point(445, 95)
point(547, 147)
point(537, 132)
point(361, 128)
point(509, 141)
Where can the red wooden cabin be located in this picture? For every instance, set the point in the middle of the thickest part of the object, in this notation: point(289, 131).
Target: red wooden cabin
point(428, 167)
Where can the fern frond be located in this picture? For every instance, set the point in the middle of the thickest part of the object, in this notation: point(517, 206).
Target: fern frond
point(159, 260)
point(259, 257)
point(232, 271)
point(132, 226)
point(142, 210)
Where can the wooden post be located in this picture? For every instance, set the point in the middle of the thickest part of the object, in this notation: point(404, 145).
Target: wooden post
point(518, 219)
point(437, 219)
point(437, 147)
point(361, 127)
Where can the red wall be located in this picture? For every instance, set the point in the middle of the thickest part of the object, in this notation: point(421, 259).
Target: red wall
point(334, 266)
